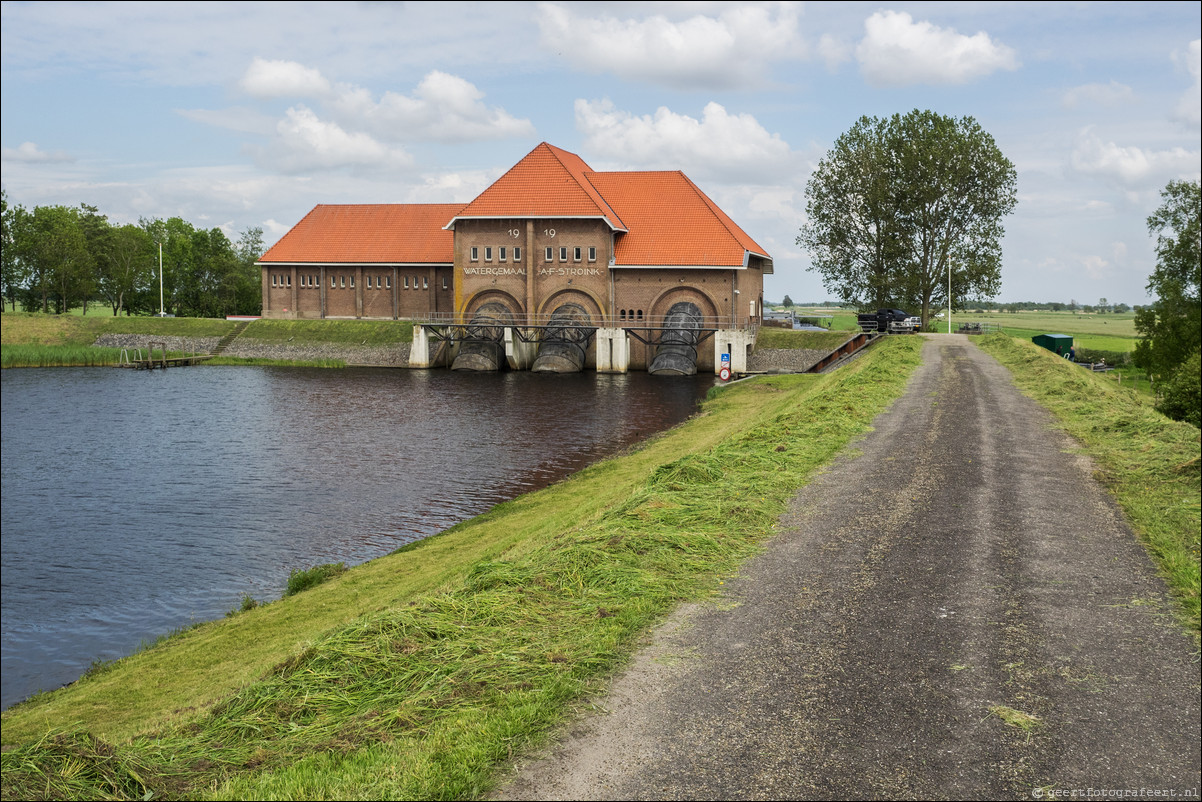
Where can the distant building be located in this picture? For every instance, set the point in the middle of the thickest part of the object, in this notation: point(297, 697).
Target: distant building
point(624, 246)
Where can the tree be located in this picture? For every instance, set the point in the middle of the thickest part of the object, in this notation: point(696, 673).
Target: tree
point(126, 265)
point(50, 242)
point(787, 303)
point(898, 203)
point(14, 273)
point(1171, 326)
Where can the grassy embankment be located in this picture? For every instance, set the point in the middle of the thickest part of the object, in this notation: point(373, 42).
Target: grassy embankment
point(417, 674)
point(35, 340)
point(1149, 463)
point(769, 337)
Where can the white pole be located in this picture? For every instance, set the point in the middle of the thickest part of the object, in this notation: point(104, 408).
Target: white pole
point(161, 310)
point(949, 296)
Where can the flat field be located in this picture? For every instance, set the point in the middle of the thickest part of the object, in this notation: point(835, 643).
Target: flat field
point(1099, 332)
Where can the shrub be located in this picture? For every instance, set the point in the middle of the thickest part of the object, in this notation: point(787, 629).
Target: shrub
point(303, 579)
point(1181, 396)
point(1119, 359)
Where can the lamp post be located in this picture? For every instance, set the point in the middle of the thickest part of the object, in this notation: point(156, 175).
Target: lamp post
point(162, 311)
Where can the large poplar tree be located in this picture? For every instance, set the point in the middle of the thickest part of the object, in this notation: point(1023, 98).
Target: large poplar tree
point(898, 205)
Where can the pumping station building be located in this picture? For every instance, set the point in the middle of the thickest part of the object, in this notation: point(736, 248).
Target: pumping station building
point(554, 267)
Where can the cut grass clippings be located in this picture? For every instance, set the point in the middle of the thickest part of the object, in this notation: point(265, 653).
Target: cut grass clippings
point(1149, 463)
point(425, 694)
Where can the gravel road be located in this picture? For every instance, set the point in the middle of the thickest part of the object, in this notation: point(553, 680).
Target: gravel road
point(954, 610)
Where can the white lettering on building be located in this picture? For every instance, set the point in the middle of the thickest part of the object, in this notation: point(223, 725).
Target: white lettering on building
point(494, 271)
point(569, 271)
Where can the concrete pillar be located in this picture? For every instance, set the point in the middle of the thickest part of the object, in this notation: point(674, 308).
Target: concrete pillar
point(518, 353)
point(419, 352)
point(613, 350)
point(736, 342)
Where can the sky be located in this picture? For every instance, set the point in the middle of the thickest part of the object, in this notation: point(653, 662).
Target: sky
point(242, 115)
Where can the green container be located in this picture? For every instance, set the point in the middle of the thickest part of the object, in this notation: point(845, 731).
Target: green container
point(1058, 344)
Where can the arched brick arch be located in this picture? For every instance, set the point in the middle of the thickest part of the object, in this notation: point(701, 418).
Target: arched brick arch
point(577, 296)
point(491, 295)
point(664, 301)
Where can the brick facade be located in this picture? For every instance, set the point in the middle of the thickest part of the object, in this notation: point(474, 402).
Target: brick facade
point(624, 246)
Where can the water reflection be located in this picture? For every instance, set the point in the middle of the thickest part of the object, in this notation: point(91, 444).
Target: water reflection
point(136, 502)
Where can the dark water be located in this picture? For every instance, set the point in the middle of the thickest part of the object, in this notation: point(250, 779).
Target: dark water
point(137, 502)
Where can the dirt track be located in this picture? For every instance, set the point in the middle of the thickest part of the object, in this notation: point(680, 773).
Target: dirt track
point(959, 564)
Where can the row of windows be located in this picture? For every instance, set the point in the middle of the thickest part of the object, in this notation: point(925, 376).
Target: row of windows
point(502, 254)
point(548, 255)
point(342, 282)
point(630, 314)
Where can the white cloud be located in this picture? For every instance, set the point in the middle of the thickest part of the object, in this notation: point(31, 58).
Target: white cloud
point(443, 108)
point(1093, 265)
point(719, 145)
point(236, 118)
point(1111, 94)
point(304, 142)
point(731, 49)
point(1133, 167)
point(283, 79)
point(833, 51)
point(1189, 108)
point(897, 51)
point(30, 153)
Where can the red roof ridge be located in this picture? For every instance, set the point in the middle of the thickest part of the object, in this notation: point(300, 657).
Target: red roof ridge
point(547, 182)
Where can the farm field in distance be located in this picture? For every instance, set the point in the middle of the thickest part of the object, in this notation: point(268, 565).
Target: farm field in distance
point(1115, 332)
point(1097, 331)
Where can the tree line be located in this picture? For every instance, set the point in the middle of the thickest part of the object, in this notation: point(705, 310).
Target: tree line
point(1102, 307)
point(57, 258)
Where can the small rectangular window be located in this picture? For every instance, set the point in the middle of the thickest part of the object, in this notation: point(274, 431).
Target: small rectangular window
point(576, 254)
point(314, 282)
point(517, 254)
point(501, 254)
point(388, 281)
point(444, 282)
point(563, 254)
point(488, 253)
point(289, 279)
point(550, 254)
point(333, 283)
point(406, 282)
point(425, 283)
point(352, 282)
point(592, 254)
point(475, 254)
point(342, 282)
point(273, 279)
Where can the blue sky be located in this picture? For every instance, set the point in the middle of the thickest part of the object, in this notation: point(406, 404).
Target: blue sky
point(235, 115)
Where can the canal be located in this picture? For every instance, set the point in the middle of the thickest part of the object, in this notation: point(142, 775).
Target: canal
point(135, 503)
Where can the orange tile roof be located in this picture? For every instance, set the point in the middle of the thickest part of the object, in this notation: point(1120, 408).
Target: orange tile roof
point(662, 218)
point(671, 222)
point(370, 234)
point(548, 182)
